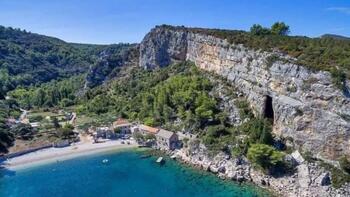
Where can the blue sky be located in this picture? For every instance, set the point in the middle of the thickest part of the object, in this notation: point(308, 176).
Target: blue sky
point(113, 21)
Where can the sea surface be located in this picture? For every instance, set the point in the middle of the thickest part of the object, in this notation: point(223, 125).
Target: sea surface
point(126, 174)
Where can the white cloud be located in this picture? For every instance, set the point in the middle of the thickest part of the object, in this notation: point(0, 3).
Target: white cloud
point(344, 10)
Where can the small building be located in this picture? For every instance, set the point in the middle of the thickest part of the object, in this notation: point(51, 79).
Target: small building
point(123, 125)
point(144, 130)
point(104, 132)
point(166, 140)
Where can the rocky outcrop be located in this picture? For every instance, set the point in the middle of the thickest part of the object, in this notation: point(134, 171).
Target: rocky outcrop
point(308, 180)
point(110, 62)
point(305, 105)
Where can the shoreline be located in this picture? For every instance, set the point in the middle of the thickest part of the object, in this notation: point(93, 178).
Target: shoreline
point(246, 183)
point(51, 155)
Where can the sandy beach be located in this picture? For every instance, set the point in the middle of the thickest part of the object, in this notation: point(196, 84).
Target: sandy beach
point(59, 154)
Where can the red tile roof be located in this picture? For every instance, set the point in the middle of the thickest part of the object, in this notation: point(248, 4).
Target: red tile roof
point(120, 121)
point(149, 129)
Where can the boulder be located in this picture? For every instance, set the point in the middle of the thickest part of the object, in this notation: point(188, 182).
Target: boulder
point(324, 179)
point(303, 176)
point(297, 157)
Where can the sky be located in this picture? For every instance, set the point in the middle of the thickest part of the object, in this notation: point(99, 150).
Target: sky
point(114, 21)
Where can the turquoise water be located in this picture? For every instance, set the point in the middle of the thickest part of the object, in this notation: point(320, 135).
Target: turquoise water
point(126, 174)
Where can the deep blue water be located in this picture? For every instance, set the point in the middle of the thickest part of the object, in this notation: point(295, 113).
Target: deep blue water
point(126, 174)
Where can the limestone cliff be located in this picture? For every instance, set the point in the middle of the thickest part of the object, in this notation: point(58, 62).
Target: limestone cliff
point(305, 105)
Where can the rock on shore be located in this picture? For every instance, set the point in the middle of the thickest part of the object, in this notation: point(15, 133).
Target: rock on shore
point(309, 179)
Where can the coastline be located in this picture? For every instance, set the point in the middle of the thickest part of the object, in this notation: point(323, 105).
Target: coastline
point(51, 155)
point(264, 191)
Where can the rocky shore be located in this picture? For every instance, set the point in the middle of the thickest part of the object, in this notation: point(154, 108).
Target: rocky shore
point(308, 180)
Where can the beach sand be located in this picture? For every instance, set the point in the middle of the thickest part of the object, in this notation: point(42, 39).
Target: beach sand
point(58, 154)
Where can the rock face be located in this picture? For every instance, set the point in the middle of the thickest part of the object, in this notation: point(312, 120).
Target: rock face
point(305, 105)
point(309, 179)
point(109, 63)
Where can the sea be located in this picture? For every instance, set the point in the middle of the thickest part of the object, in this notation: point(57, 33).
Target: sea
point(123, 174)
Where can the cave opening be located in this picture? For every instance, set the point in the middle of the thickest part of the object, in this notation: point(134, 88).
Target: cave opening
point(268, 109)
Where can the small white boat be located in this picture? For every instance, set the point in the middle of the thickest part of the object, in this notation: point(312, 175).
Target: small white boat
point(105, 161)
point(160, 160)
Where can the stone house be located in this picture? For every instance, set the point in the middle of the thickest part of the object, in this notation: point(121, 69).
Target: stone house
point(104, 133)
point(167, 140)
point(123, 125)
point(144, 129)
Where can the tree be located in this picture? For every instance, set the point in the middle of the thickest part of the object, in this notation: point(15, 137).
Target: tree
point(280, 28)
point(138, 137)
point(55, 122)
point(149, 121)
point(66, 131)
point(265, 156)
point(259, 30)
point(6, 140)
point(150, 136)
point(23, 131)
point(259, 131)
point(117, 130)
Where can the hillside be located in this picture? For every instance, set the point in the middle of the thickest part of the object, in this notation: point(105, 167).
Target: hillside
point(29, 59)
point(334, 36)
point(304, 106)
point(240, 94)
point(272, 83)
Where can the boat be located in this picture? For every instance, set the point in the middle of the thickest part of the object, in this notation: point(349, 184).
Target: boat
point(105, 161)
point(160, 160)
point(173, 157)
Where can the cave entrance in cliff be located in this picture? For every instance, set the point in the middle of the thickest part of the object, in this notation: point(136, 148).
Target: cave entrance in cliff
point(268, 109)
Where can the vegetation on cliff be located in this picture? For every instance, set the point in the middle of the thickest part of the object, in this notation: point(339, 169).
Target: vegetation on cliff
point(157, 98)
point(325, 53)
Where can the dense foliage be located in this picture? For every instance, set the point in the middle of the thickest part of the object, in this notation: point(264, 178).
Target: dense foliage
point(156, 98)
point(8, 108)
point(55, 93)
point(29, 59)
point(265, 156)
point(278, 28)
point(23, 131)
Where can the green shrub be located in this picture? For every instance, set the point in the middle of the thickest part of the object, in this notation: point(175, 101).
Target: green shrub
point(339, 78)
point(345, 164)
point(259, 130)
point(265, 156)
point(36, 118)
point(244, 109)
point(338, 176)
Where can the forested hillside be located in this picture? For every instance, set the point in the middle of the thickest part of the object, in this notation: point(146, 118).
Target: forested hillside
point(29, 59)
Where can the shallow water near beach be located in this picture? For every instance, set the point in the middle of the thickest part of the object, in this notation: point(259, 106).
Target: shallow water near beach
point(125, 174)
